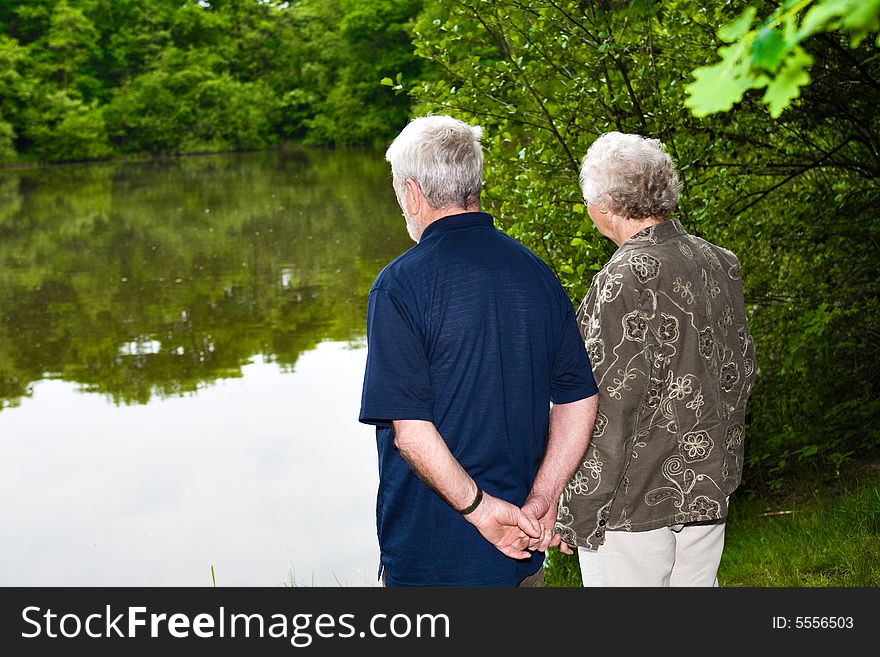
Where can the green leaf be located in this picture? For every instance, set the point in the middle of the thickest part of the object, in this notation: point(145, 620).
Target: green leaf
point(861, 17)
point(821, 17)
point(786, 85)
point(738, 28)
point(388, 82)
point(578, 208)
point(716, 88)
point(768, 49)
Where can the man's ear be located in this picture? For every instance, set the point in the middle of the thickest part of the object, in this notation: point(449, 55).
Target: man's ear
point(413, 196)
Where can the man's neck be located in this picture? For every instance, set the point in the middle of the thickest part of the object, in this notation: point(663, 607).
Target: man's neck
point(430, 215)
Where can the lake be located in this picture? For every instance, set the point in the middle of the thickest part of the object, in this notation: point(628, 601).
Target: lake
point(181, 358)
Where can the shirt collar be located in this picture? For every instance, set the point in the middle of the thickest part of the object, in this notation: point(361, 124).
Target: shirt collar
point(454, 221)
point(657, 233)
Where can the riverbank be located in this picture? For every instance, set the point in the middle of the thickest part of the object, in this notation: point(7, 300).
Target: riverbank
point(26, 162)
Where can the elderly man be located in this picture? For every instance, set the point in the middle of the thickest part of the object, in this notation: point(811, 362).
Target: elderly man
point(665, 325)
point(470, 337)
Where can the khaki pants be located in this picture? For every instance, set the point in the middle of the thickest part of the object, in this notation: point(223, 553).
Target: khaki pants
point(681, 555)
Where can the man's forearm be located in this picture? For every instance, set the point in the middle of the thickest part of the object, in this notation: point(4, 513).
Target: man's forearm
point(571, 426)
point(498, 521)
point(422, 446)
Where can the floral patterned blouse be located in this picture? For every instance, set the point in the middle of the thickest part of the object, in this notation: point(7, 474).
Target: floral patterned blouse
point(665, 326)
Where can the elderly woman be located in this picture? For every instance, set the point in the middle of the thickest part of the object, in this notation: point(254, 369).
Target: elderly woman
point(665, 326)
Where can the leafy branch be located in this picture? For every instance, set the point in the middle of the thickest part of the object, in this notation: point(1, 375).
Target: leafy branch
point(768, 54)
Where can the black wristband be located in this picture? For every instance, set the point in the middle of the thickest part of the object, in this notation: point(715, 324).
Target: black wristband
point(473, 506)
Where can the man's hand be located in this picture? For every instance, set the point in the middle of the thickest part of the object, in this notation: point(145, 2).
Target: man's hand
point(549, 538)
point(540, 514)
point(570, 428)
point(504, 526)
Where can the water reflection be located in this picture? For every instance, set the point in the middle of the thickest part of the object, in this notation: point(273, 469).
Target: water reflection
point(211, 305)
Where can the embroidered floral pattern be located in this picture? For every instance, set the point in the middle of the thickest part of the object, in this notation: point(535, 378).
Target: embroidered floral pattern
point(645, 267)
point(620, 384)
point(734, 438)
point(727, 316)
point(744, 341)
point(610, 288)
point(654, 394)
point(696, 445)
point(696, 404)
point(680, 387)
point(674, 362)
point(684, 289)
point(707, 342)
point(710, 285)
point(596, 351)
point(668, 331)
point(711, 257)
point(579, 484)
point(635, 326)
point(593, 467)
point(703, 508)
point(601, 423)
point(729, 376)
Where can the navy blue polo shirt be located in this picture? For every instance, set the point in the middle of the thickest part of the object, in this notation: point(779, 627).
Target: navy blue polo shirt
point(472, 331)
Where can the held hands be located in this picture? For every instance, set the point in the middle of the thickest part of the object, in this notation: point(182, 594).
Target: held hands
point(516, 532)
point(504, 526)
point(540, 513)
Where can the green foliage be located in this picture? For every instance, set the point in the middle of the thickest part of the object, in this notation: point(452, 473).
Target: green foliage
point(62, 127)
point(7, 139)
point(185, 106)
point(86, 79)
point(373, 41)
point(794, 197)
point(769, 53)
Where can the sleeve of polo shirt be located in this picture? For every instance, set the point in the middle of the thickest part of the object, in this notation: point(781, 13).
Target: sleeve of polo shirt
point(397, 382)
point(572, 377)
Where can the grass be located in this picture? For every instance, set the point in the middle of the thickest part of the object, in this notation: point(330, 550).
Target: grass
point(818, 534)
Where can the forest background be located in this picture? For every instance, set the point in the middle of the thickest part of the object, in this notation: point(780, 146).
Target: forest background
point(779, 150)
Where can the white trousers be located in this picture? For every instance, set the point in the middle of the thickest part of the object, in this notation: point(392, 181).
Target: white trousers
point(681, 555)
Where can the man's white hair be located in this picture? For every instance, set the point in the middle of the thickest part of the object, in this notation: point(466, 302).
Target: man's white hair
point(443, 155)
point(633, 174)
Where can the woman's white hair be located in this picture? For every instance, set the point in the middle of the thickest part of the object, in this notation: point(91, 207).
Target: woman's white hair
point(444, 156)
point(633, 174)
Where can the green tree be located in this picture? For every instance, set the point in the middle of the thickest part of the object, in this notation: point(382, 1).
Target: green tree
point(793, 196)
point(375, 43)
point(97, 77)
point(13, 93)
point(186, 105)
point(71, 41)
